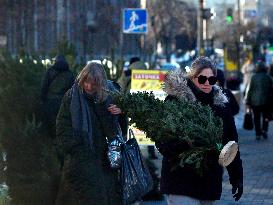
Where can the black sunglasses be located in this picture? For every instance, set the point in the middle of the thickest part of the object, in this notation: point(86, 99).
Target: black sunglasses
point(202, 79)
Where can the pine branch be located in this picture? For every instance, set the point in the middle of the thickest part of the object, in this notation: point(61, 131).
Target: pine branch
point(174, 120)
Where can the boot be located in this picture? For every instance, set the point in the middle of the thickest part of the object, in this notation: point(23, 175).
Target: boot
point(264, 134)
point(258, 137)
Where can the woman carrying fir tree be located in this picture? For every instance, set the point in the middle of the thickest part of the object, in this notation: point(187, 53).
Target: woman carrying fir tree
point(184, 185)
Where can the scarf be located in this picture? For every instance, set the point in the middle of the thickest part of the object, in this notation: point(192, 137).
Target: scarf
point(204, 98)
point(80, 115)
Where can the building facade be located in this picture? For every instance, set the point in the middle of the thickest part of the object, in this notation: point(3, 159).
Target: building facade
point(93, 26)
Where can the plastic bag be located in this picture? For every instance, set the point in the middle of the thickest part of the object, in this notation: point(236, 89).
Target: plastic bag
point(114, 153)
point(114, 150)
point(135, 176)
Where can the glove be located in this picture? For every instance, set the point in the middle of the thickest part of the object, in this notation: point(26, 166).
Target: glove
point(237, 190)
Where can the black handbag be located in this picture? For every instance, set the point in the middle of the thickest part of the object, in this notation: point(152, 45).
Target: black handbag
point(248, 121)
point(135, 176)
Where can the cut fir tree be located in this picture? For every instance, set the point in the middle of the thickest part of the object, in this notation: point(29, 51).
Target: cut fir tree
point(181, 121)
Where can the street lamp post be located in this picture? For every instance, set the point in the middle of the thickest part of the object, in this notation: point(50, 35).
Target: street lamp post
point(200, 43)
point(239, 35)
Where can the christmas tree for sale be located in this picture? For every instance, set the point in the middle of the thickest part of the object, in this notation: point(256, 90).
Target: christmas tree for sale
point(181, 121)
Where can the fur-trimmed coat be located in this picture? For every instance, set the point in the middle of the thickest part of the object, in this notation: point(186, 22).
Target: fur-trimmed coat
point(186, 181)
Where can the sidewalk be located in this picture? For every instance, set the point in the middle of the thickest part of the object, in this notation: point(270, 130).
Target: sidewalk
point(257, 157)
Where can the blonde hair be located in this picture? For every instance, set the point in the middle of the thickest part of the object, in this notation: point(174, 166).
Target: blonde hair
point(200, 64)
point(95, 73)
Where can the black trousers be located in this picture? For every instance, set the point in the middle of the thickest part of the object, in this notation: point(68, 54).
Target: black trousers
point(260, 112)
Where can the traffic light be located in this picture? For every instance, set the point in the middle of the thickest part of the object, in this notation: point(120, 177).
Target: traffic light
point(229, 17)
point(207, 13)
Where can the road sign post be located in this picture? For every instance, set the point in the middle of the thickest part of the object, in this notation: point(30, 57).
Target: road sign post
point(135, 21)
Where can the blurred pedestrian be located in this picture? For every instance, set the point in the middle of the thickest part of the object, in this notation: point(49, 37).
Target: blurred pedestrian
point(270, 70)
point(183, 185)
point(232, 102)
point(271, 100)
point(258, 98)
point(248, 69)
point(57, 80)
point(86, 117)
point(125, 79)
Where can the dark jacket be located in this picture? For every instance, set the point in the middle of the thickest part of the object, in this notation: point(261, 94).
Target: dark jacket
point(260, 90)
point(186, 181)
point(232, 102)
point(57, 80)
point(86, 170)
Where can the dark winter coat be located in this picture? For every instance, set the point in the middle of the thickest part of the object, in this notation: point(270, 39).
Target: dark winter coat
point(260, 90)
point(57, 80)
point(86, 170)
point(232, 102)
point(186, 181)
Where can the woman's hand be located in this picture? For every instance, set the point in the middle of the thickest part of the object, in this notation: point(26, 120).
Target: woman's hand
point(237, 190)
point(114, 109)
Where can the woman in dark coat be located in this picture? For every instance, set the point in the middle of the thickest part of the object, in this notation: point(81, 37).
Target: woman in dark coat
point(185, 185)
point(258, 98)
point(86, 117)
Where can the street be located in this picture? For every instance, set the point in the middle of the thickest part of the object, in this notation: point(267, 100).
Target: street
point(73, 72)
point(258, 167)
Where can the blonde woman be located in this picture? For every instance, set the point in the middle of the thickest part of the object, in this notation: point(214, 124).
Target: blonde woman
point(183, 185)
point(86, 117)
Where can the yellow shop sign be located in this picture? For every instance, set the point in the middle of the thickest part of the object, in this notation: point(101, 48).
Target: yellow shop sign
point(150, 81)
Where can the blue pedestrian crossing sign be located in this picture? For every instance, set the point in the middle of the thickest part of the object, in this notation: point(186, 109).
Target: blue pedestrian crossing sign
point(135, 21)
